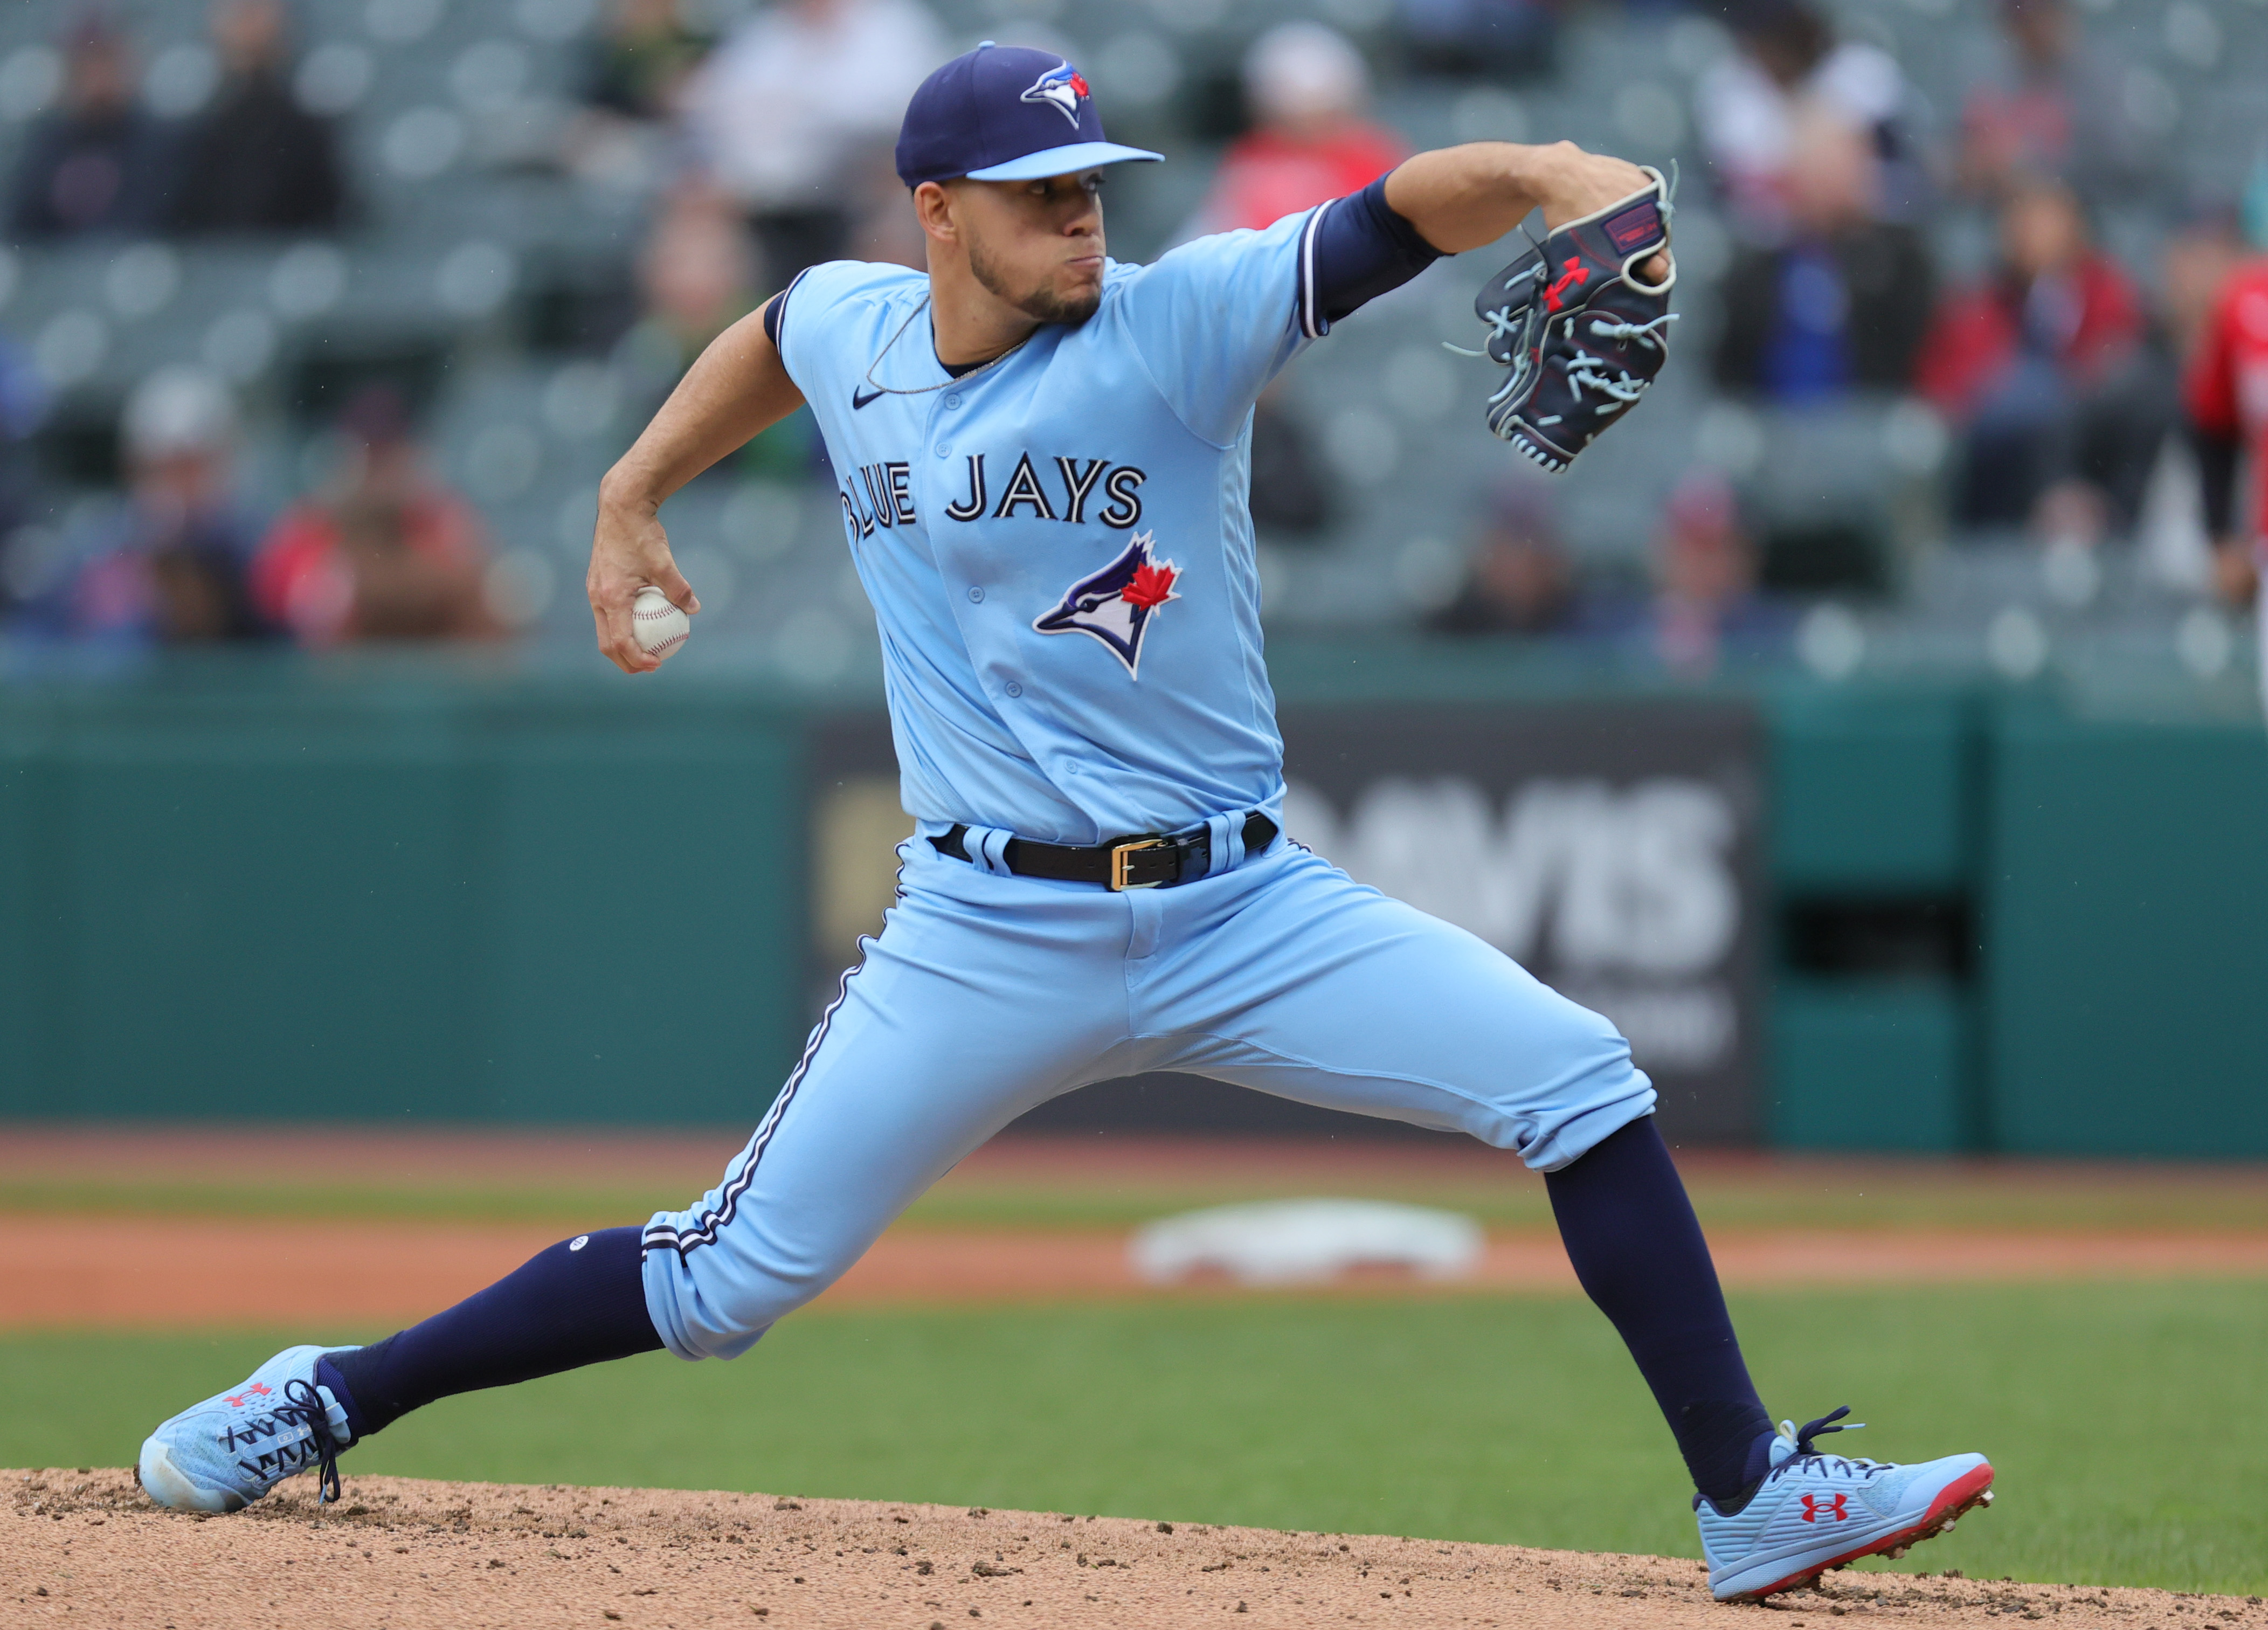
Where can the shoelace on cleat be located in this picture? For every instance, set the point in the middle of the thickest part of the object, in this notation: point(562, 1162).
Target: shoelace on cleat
point(1808, 1460)
point(304, 1406)
point(1822, 1427)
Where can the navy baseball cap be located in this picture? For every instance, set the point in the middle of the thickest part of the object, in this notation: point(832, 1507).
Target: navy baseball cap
point(1003, 113)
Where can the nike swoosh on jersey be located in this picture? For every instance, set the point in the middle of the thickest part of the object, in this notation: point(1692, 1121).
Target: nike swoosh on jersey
point(858, 402)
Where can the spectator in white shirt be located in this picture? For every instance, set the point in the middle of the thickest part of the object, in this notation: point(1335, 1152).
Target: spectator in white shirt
point(787, 111)
point(1746, 108)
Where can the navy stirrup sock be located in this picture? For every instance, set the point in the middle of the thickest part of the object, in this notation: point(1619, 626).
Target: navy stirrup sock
point(1636, 1247)
point(580, 1301)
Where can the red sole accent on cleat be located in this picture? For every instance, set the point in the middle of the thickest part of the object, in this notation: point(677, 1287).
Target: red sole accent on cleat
point(1956, 1498)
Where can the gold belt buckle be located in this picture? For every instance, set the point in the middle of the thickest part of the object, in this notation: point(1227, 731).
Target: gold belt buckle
point(1119, 863)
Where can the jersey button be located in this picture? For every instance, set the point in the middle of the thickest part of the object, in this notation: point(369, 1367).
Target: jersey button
point(953, 401)
point(975, 595)
point(1013, 689)
point(943, 451)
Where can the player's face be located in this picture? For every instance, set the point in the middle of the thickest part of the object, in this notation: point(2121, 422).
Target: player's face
point(1037, 245)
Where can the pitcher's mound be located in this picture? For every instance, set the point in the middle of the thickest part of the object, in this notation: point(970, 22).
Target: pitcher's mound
point(87, 1548)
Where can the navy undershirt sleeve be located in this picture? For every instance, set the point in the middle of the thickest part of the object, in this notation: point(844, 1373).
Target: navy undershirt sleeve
point(1357, 248)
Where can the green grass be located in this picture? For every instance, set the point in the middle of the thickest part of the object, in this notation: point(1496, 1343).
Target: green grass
point(1885, 1195)
point(2128, 1422)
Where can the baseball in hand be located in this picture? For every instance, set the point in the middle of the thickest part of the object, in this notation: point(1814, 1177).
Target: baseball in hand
point(661, 628)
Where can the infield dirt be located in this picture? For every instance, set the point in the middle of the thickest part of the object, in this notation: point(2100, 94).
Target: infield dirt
point(85, 1548)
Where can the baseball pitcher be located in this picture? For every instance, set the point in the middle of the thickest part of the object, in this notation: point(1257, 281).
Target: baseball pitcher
point(1041, 460)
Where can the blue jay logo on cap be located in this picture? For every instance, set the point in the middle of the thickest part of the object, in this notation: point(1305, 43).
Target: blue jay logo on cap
point(1063, 88)
point(1116, 605)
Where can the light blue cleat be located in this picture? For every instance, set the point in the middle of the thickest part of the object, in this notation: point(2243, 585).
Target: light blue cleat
point(1814, 1512)
point(226, 1452)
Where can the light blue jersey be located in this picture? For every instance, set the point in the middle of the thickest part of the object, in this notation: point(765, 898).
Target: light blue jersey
point(1058, 547)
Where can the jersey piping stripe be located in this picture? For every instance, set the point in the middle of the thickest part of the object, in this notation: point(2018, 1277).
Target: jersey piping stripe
point(1312, 321)
point(670, 1239)
point(705, 1233)
point(775, 309)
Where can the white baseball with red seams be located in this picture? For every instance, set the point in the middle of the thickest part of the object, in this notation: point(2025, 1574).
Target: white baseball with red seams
point(661, 627)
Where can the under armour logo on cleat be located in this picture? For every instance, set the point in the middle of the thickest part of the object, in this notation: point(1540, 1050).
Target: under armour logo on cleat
point(1813, 1506)
point(258, 1388)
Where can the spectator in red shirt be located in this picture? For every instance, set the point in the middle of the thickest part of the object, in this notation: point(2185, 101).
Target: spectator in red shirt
point(2052, 103)
point(2022, 361)
point(388, 553)
point(2226, 395)
point(1312, 140)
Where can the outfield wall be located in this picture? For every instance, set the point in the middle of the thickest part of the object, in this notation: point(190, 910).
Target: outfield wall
point(1985, 918)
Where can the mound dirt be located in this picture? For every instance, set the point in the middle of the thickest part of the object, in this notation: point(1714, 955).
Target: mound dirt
point(87, 1548)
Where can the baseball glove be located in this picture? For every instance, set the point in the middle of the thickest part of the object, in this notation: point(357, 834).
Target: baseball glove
point(1582, 336)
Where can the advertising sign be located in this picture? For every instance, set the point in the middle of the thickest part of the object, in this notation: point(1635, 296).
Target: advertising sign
point(1610, 847)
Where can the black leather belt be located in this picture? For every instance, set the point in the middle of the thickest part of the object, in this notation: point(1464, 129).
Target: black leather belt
point(1147, 861)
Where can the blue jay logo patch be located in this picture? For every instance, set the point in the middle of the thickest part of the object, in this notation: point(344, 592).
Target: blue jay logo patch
point(1116, 605)
point(1063, 88)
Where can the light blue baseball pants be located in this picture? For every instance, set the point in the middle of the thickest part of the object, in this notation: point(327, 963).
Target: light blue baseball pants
point(987, 994)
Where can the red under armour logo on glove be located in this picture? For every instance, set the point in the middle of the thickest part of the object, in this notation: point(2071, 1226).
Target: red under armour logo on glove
point(1812, 1508)
point(1574, 277)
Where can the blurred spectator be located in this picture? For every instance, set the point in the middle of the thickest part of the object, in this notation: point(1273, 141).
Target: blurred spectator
point(167, 566)
point(1518, 580)
point(1840, 305)
point(24, 401)
point(2226, 397)
point(1308, 94)
point(785, 112)
point(255, 160)
point(99, 163)
point(2253, 213)
point(2194, 265)
point(2053, 104)
point(2026, 363)
point(696, 278)
point(1747, 105)
point(2172, 545)
point(388, 553)
point(634, 87)
point(1480, 39)
point(883, 229)
point(1293, 494)
point(1705, 581)
point(639, 68)
point(1307, 90)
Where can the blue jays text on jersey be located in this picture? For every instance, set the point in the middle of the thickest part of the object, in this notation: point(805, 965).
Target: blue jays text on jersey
point(882, 495)
point(1058, 546)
